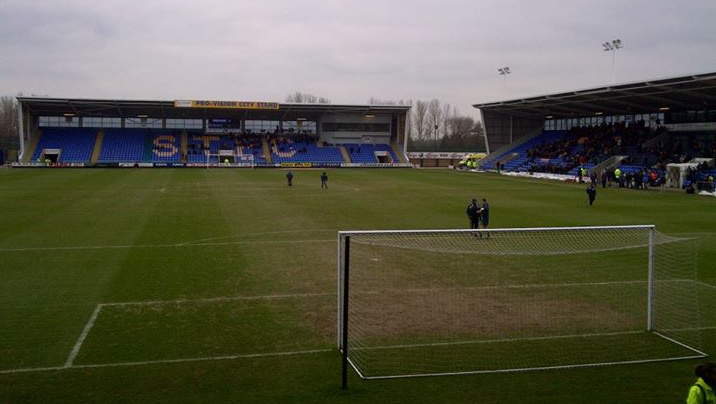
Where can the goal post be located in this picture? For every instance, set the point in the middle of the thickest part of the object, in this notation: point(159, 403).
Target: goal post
point(439, 302)
point(229, 158)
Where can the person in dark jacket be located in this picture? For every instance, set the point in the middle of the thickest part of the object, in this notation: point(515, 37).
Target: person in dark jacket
point(592, 194)
point(473, 213)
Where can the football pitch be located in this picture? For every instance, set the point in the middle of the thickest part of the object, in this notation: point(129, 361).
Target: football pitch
point(219, 285)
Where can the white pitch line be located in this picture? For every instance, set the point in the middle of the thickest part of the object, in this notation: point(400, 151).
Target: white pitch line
point(705, 284)
point(257, 234)
point(28, 370)
point(200, 243)
point(203, 359)
point(81, 339)
point(493, 341)
point(128, 246)
point(217, 299)
point(332, 240)
point(167, 361)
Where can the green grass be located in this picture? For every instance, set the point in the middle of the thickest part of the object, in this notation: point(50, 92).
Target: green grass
point(73, 239)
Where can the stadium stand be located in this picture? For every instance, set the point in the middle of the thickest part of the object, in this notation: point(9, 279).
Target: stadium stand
point(122, 145)
point(163, 148)
point(646, 153)
point(285, 149)
point(521, 159)
point(75, 144)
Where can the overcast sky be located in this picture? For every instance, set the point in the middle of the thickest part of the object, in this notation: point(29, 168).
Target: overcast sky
point(347, 51)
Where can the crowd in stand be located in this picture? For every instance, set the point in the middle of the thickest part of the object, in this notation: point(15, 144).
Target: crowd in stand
point(647, 156)
point(254, 141)
point(590, 144)
point(297, 141)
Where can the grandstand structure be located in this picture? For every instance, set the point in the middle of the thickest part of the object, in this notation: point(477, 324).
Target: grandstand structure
point(653, 131)
point(199, 133)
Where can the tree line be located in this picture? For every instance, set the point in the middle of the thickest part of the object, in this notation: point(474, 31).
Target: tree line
point(439, 127)
point(8, 124)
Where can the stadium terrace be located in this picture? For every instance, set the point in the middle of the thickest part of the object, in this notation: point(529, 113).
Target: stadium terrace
point(205, 133)
point(656, 131)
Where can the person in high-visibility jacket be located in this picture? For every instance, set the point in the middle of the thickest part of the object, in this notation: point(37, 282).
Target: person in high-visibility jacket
point(702, 392)
point(618, 177)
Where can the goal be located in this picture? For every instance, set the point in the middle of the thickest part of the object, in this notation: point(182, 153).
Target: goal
point(438, 302)
point(229, 158)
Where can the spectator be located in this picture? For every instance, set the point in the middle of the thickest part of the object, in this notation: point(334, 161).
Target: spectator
point(702, 392)
point(591, 194)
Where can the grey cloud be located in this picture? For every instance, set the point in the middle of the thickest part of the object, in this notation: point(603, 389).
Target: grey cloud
point(346, 51)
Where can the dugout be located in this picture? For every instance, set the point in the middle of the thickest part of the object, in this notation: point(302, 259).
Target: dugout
point(437, 159)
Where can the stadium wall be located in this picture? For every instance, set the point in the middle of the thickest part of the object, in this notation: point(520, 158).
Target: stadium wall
point(502, 130)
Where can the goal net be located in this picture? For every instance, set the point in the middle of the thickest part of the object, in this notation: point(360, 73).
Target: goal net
point(434, 302)
point(229, 158)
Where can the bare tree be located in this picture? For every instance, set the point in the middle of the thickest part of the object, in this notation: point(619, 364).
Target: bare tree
point(380, 101)
point(419, 114)
point(435, 118)
point(8, 122)
point(299, 97)
point(440, 127)
point(461, 129)
point(446, 116)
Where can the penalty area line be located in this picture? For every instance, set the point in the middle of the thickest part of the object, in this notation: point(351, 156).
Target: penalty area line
point(203, 359)
point(83, 335)
point(217, 299)
point(167, 361)
point(150, 246)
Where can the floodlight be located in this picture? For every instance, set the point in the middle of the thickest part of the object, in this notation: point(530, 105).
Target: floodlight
point(613, 46)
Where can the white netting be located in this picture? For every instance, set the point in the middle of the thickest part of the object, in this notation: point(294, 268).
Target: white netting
point(442, 302)
point(229, 158)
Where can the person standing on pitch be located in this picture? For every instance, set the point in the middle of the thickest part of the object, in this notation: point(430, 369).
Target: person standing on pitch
point(473, 213)
point(702, 392)
point(289, 178)
point(591, 193)
point(485, 215)
point(324, 180)
point(604, 178)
